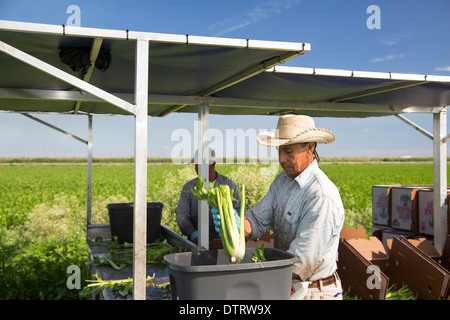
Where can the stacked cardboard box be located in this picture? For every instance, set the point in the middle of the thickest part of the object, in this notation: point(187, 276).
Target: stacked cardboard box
point(404, 210)
point(381, 206)
point(386, 236)
point(426, 212)
point(404, 207)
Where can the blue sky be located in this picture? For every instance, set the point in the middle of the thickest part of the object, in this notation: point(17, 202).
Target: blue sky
point(414, 38)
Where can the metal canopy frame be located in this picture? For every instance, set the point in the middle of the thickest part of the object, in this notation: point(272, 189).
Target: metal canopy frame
point(140, 108)
point(226, 97)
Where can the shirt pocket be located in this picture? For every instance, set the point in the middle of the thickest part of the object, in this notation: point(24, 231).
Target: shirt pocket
point(290, 221)
point(291, 216)
point(288, 228)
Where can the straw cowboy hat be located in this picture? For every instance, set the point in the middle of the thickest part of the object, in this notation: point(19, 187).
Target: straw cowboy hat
point(293, 129)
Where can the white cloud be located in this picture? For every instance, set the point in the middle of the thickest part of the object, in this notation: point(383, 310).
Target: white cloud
point(387, 58)
point(389, 42)
point(259, 13)
point(447, 68)
point(395, 39)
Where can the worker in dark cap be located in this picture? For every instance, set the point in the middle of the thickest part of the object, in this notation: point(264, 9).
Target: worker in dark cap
point(187, 207)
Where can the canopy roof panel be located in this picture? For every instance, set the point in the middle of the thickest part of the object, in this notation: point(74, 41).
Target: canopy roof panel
point(234, 76)
point(179, 65)
point(334, 93)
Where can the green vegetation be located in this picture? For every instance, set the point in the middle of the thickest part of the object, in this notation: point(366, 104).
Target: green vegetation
point(82, 160)
point(232, 232)
point(404, 293)
point(258, 254)
point(43, 210)
point(78, 160)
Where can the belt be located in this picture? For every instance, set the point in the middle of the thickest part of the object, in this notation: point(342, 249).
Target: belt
point(325, 282)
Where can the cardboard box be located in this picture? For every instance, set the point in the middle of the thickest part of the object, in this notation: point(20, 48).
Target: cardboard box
point(404, 209)
point(377, 231)
point(426, 211)
point(381, 209)
point(350, 233)
point(389, 234)
point(358, 275)
point(448, 214)
point(445, 258)
point(410, 266)
point(424, 245)
point(371, 248)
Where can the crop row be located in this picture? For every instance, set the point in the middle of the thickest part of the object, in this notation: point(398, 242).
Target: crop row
point(43, 210)
point(23, 187)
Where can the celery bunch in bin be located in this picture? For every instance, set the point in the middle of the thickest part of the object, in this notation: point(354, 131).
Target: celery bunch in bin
point(221, 197)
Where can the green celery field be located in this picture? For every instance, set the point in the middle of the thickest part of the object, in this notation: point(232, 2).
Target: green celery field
point(43, 210)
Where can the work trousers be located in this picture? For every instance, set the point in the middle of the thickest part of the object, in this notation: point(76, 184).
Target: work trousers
point(330, 292)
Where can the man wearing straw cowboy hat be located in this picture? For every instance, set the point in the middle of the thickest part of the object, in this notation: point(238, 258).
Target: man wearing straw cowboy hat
point(303, 207)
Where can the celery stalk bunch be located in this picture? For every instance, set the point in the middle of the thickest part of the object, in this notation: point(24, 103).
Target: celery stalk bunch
point(221, 197)
point(404, 293)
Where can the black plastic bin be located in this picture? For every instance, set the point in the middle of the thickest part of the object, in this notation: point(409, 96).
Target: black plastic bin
point(121, 221)
point(209, 275)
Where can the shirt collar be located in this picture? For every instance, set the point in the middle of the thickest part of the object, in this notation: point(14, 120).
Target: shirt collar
point(303, 178)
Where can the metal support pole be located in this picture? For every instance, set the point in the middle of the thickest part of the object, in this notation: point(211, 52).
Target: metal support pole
point(140, 172)
point(440, 179)
point(415, 126)
point(447, 137)
point(203, 207)
point(55, 128)
point(89, 171)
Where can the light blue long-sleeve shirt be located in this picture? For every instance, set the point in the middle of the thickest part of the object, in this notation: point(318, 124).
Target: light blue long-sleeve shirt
point(306, 214)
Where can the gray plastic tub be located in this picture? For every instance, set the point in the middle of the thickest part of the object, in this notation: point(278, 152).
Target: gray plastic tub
point(209, 275)
point(121, 221)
